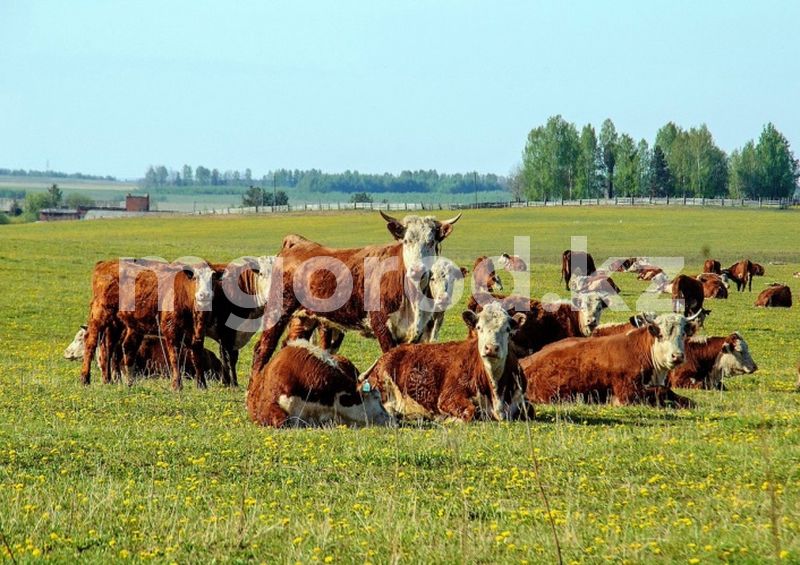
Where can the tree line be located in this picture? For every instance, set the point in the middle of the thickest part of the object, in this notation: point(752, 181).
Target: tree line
point(52, 174)
point(559, 162)
point(314, 180)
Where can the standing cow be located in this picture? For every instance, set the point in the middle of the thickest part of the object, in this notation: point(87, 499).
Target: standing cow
point(377, 272)
point(687, 295)
point(465, 380)
point(740, 273)
point(576, 263)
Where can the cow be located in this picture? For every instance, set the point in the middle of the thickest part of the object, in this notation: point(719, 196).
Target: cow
point(545, 323)
point(740, 273)
point(622, 265)
point(598, 282)
point(180, 315)
point(648, 273)
point(625, 364)
point(576, 263)
point(713, 286)
point(614, 328)
point(444, 276)
point(512, 263)
point(687, 295)
point(416, 238)
point(484, 275)
point(757, 270)
point(237, 307)
point(151, 358)
point(712, 266)
point(775, 295)
point(303, 385)
point(711, 359)
point(463, 380)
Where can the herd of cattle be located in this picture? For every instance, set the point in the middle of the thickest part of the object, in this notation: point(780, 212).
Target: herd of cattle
point(150, 317)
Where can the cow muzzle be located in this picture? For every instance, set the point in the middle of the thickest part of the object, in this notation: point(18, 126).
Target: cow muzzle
point(491, 350)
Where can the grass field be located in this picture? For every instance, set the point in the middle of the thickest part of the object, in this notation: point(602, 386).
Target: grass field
point(111, 473)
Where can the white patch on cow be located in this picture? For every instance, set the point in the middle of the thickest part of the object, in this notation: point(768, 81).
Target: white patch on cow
point(204, 290)
point(74, 350)
point(736, 361)
point(419, 241)
point(445, 275)
point(667, 351)
point(590, 308)
point(316, 351)
point(266, 264)
point(369, 411)
point(493, 328)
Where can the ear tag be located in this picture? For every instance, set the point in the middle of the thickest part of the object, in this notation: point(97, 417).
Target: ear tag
point(365, 387)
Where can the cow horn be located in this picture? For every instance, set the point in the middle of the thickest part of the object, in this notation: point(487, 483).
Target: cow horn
point(388, 218)
point(694, 316)
point(451, 221)
point(365, 375)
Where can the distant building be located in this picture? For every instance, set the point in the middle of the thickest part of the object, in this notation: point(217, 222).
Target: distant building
point(137, 203)
point(54, 214)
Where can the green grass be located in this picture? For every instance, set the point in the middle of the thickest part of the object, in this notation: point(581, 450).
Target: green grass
point(108, 473)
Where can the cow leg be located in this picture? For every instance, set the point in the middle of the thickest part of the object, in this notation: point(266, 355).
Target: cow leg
point(198, 360)
point(174, 364)
point(130, 345)
point(234, 360)
point(378, 321)
point(458, 407)
point(90, 346)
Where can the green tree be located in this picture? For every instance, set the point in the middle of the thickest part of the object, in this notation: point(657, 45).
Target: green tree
point(550, 160)
point(588, 179)
point(359, 197)
point(77, 199)
point(161, 175)
point(36, 201)
point(643, 157)
point(187, 175)
point(744, 173)
point(202, 176)
point(56, 196)
point(777, 167)
point(215, 177)
point(661, 183)
point(516, 183)
point(626, 176)
point(150, 177)
point(608, 149)
point(255, 197)
point(705, 164)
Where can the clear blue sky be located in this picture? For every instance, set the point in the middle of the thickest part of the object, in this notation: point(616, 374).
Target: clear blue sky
point(111, 87)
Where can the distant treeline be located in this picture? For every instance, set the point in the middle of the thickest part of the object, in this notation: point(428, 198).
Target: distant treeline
point(52, 174)
point(314, 180)
point(559, 162)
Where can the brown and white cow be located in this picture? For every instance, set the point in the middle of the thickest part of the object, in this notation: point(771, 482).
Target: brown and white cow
point(712, 266)
point(445, 275)
point(740, 273)
point(151, 358)
point(713, 285)
point(169, 300)
point(775, 295)
point(614, 328)
point(709, 360)
point(303, 385)
point(648, 273)
point(484, 275)
point(598, 282)
point(378, 274)
point(625, 364)
point(576, 263)
point(545, 323)
point(464, 380)
point(687, 295)
point(512, 263)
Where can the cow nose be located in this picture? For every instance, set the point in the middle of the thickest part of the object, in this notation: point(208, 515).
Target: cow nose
point(490, 349)
point(754, 369)
point(677, 357)
point(415, 271)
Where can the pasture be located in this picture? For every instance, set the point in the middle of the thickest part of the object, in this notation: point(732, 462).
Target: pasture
point(110, 473)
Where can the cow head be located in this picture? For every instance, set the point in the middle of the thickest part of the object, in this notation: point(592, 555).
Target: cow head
point(421, 238)
point(374, 412)
point(74, 350)
point(590, 306)
point(735, 359)
point(668, 350)
point(493, 327)
point(203, 277)
point(263, 270)
point(444, 275)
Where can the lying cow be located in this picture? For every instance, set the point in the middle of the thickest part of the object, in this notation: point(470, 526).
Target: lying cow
point(546, 323)
point(512, 263)
point(625, 364)
point(647, 273)
point(598, 282)
point(712, 266)
point(709, 360)
point(151, 358)
point(713, 286)
point(464, 380)
point(775, 296)
point(302, 385)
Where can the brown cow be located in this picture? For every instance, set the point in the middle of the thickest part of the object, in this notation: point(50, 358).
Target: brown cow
point(740, 273)
point(614, 328)
point(711, 359)
point(576, 263)
point(625, 364)
point(648, 273)
point(622, 265)
point(512, 263)
point(151, 359)
point(712, 266)
point(545, 323)
point(178, 311)
point(465, 380)
point(304, 385)
point(378, 274)
point(713, 287)
point(775, 296)
point(757, 270)
point(484, 275)
point(687, 295)
point(598, 282)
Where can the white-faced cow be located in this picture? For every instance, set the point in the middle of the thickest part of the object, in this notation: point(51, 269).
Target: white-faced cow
point(709, 360)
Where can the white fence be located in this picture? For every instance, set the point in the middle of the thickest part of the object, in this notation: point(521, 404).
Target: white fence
point(421, 206)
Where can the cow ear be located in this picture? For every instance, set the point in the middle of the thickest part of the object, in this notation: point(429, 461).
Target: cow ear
point(635, 321)
point(517, 320)
point(653, 329)
point(691, 329)
point(397, 229)
point(464, 271)
point(727, 348)
point(84, 327)
point(470, 318)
